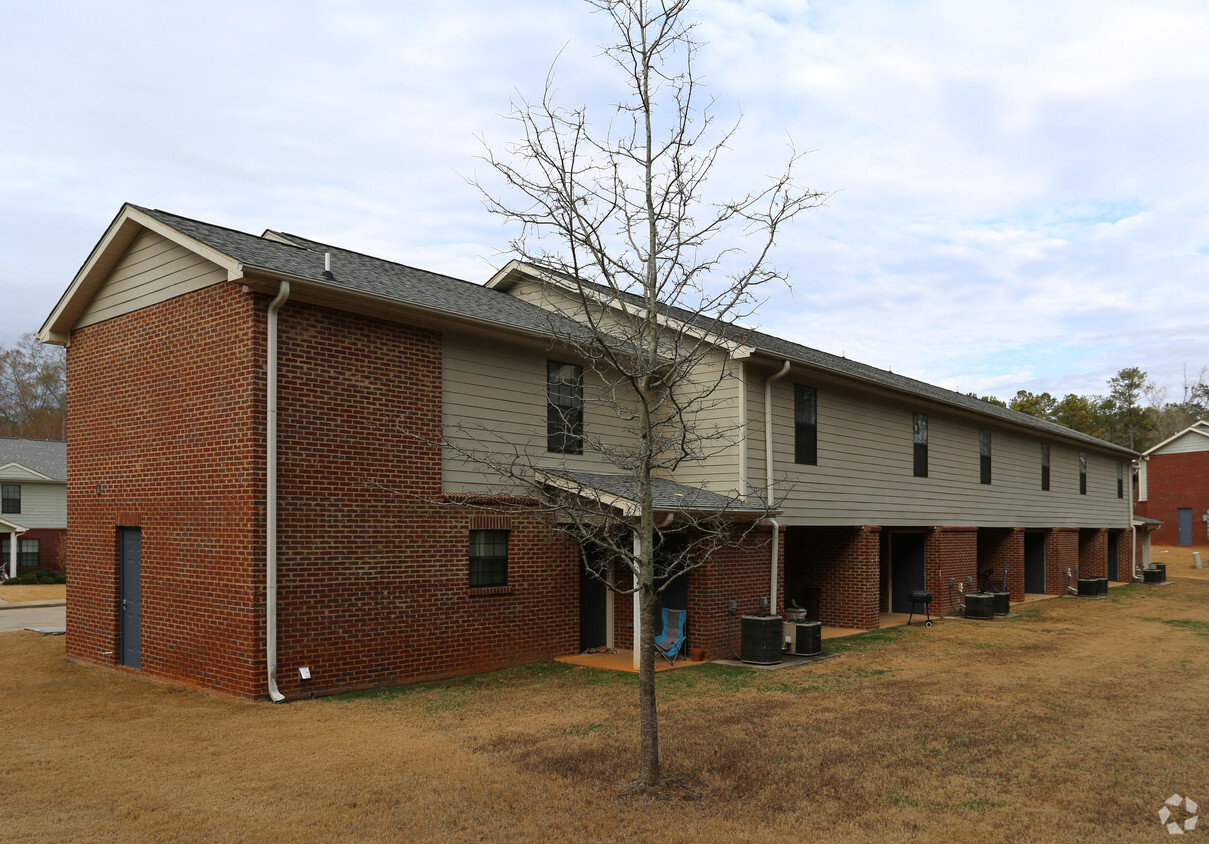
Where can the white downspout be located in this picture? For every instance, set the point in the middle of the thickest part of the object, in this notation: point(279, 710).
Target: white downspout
point(770, 494)
point(1133, 531)
point(270, 569)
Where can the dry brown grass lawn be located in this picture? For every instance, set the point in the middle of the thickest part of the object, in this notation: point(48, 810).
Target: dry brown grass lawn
point(1073, 721)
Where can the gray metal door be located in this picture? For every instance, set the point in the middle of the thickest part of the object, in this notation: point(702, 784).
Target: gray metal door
point(130, 545)
point(1185, 526)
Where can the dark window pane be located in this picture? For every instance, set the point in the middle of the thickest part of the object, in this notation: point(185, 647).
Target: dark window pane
point(10, 498)
point(488, 558)
point(564, 407)
point(984, 455)
point(805, 425)
point(920, 439)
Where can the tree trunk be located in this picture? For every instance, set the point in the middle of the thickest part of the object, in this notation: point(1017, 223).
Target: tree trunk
point(649, 773)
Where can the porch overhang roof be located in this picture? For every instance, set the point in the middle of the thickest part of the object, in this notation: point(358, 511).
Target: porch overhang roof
point(11, 527)
point(620, 492)
point(1143, 522)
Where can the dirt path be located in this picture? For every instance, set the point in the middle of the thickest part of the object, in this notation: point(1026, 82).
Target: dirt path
point(1073, 721)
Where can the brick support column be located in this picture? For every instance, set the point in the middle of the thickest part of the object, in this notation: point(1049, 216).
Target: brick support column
point(1093, 552)
point(835, 572)
point(949, 552)
point(1000, 550)
point(1061, 553)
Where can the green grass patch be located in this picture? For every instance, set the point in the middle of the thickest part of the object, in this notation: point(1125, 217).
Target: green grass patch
point(863, 642)
point(1200, 628)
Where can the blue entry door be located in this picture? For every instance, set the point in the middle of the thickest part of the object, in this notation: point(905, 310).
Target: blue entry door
point(130, 545)
point(1185, 526)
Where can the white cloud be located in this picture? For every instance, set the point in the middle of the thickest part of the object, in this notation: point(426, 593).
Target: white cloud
point(1021, 188)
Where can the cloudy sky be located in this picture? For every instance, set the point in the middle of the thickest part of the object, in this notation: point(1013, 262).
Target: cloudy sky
point(1020, 189)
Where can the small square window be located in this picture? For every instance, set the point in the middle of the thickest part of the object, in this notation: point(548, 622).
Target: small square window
point(29, 554)
point(488, 558)
point(10, 498)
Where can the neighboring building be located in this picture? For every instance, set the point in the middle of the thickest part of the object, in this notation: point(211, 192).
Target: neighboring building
point(383, 557)
point(1173, 487)
point(33, 504)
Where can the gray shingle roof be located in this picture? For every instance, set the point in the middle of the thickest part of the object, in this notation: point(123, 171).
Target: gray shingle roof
point(668, 495)
point(47, 457)
point(304, 259)
point(782, 348)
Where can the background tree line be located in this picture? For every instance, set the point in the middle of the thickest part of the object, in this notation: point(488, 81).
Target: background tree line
point(33, 390)
point(1134, 413)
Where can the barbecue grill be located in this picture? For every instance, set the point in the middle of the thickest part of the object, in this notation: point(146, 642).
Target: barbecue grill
point(917, 597)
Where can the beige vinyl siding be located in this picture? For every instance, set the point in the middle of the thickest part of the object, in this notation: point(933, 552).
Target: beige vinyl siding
point(43, 505)
point(864, 473)
point(494, 404)
point(154, 269)
point(1187, 444)
point(715, 427)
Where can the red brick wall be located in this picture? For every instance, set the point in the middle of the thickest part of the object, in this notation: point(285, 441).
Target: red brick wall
point(164, 411)
point(742, 575)
point(49, 542)
point(949, 552)
point(1001, 549)
point(843, 564)
point(1061, 553)
point(166, 432)
point(1093, 553)
point(1174, 481)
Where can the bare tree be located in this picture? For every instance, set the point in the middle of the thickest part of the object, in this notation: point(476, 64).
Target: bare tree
point(33, 392)
point(655, 278)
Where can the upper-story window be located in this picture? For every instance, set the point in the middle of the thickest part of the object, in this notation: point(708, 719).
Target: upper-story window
point(919, 427)
point(10, 498)
point(1044, 467)
point(1083, 473)
point(564, 407)
point(1120, 479)
point(984, 455)
point(805, 425)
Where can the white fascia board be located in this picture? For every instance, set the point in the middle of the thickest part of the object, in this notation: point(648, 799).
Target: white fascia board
point(503, 281)
point(10, 527)
point(112, 245)
point(1197, 428)
point(628, 507)
point(16, 465)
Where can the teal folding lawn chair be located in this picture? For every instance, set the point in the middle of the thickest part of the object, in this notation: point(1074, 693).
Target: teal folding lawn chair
point(671, 641)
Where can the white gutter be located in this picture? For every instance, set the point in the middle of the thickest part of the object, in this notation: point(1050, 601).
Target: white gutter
point(770, 495)
point(270, 569)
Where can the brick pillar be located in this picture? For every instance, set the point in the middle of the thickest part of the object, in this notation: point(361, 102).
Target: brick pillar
point(949, 552)
point(1093, 552)
point(835, 573)
point(732, 574)
point(1002, 549)
point(1061, 553)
